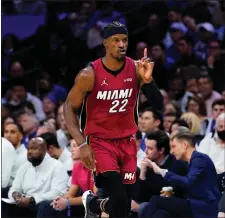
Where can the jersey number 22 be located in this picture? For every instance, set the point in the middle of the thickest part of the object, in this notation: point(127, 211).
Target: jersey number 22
point(118, 106)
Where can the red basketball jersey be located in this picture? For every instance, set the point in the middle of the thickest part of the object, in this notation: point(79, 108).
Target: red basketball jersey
point(111, 107)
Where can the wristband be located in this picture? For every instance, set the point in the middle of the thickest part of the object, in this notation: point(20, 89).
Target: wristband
point(68, 206)
point(151, 79)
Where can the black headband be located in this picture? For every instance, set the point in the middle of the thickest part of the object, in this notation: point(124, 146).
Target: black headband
point(114, 30)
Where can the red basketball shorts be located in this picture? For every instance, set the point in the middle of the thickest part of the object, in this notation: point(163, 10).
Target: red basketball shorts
point(116, 155)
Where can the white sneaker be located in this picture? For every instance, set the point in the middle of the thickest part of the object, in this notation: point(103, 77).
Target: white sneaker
point(86, 198)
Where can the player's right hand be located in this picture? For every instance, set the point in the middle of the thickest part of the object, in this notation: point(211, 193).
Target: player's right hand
point(87, 157)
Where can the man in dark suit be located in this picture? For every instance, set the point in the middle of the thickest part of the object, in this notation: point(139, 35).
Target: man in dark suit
point(200, 185)
point(149, 183)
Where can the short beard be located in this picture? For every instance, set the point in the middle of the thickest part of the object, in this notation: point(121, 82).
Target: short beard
point(119, 59)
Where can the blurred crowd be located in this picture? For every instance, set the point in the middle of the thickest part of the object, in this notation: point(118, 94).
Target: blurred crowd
point(186, 41)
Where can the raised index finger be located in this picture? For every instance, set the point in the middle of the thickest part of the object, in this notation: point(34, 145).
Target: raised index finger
point(145, 53)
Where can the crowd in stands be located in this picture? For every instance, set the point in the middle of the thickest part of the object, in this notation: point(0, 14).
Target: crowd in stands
point(186, 41)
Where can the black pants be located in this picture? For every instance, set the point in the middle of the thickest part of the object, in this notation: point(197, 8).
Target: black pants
point(4, 192)
point(222, 203)
point(160, 207)
point(119, 194)
point(43, 209)
point(12, 210)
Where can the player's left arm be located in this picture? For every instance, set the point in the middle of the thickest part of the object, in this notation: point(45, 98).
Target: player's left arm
point(144, 69)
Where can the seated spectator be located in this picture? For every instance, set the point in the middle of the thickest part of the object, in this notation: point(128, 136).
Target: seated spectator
point(176, 124)
point(205, 87)
point(214, 144)
point(172, 107)
point(205, 31)
point(14, 133)
point(200, 185)
point(20, 94)
point(218, 107)
point(216, 63)
point(28, 107)
point(5, 110)
point(191, 89)
point(174, 16)
point(184, 47)
point(149, 183)
point(10, 43)
point(197, 106)
point(151, 120)
point(46, 87)
point(49, 104)
point(30, 125)
point(47, 127)
point(39, 180)
point(168, 120)
point(79, 20)
point(55, 151)
point(5, 122)
point(8, 158)
point(194, 123)
point(177, 30)
point(177, 89)
point(157, 53)
point(16, 70)
point(154, 25)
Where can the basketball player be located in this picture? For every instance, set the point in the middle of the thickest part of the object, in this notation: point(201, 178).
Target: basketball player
point(108, 89)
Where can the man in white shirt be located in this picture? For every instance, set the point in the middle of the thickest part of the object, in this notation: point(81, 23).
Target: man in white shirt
point(55, 151)
point(14, 133)
point(38, 181)
point(214, 144)
point(218, 107)
point(205, 86)
point(8, 158)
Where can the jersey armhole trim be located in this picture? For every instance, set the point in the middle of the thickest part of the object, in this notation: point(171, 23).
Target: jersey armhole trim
point(91, 65)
